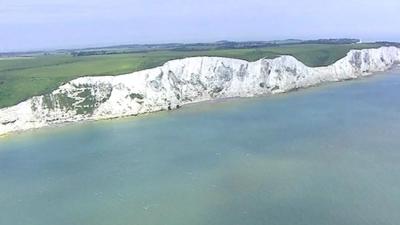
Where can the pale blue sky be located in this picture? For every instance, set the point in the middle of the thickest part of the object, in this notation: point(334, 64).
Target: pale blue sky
point(47, 24)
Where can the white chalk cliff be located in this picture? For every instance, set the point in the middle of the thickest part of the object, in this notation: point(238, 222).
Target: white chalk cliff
point(183, 81)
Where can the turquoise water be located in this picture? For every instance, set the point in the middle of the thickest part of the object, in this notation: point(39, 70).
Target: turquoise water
point(323, 156)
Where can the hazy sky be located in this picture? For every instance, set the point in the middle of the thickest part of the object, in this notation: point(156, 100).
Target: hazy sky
point(38, 24)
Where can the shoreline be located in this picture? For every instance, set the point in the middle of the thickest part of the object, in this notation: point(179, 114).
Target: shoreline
point(394, 68)
point(182, 82)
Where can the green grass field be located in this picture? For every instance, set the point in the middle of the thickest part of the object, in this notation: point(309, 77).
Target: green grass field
point(21, 78)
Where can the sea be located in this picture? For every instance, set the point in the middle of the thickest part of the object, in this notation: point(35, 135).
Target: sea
point(327, 155)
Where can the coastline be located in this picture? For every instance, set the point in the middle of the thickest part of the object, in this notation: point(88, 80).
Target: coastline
point(171, 86)
point(208, 102)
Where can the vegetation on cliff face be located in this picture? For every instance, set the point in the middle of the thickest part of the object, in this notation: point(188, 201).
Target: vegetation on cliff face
point(82, 101)
point(22, 78)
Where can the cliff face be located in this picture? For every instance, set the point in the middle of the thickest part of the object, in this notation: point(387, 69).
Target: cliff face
point(183, 81)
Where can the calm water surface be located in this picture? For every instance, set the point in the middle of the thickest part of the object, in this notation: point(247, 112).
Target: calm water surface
point(323, 156)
